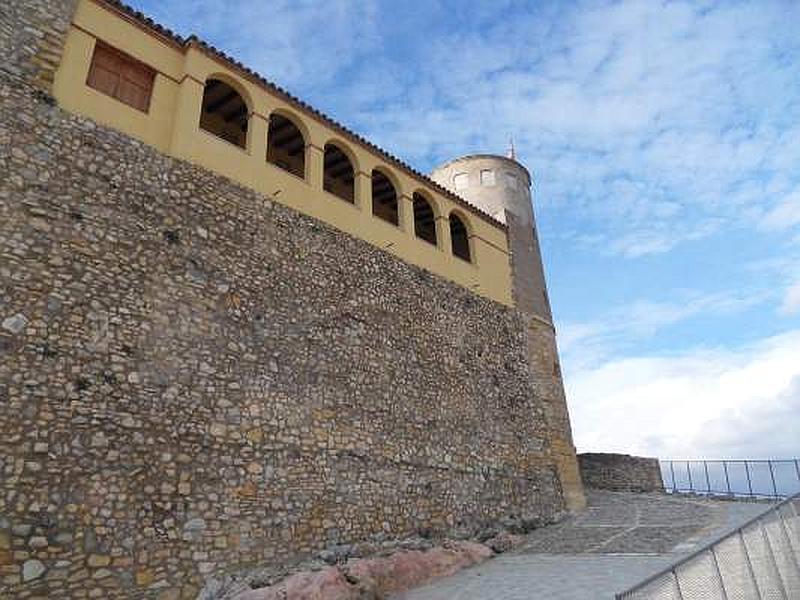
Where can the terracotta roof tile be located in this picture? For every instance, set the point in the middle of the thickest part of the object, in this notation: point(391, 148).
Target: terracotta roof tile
point(162, 31)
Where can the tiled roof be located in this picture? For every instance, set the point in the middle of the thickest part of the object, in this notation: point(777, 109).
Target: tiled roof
point(163, 32)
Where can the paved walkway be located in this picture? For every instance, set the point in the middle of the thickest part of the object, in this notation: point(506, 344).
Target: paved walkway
point(619, 540)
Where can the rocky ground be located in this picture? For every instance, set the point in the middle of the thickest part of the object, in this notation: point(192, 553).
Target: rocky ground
point(619, 540)
point(366, 571)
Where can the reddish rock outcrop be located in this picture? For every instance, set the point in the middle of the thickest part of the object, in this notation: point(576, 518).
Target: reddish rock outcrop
point(327, 584)
point(374, 578)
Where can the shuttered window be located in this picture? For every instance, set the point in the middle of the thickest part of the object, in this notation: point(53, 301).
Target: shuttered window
point(121, 76)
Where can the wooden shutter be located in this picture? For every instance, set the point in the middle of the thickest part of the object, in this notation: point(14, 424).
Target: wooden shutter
point(105, 70)
point(136, 85)
point(121, 76)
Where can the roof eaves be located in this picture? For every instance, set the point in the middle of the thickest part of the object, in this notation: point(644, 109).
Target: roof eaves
point(259, 79)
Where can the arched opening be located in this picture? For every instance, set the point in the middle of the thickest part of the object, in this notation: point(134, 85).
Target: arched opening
point(224, 113)
point(384, 198)
point(424, 219)
point(459, 238)
point(338, 175)
point(286, 147)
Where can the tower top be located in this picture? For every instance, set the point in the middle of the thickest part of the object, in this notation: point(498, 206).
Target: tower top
point(512, 154)
point(472, 161)
point(500, 186)
point(494, 183)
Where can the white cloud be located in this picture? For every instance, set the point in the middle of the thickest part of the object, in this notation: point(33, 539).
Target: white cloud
point(700, 403)
point(659, 238)
point(297, 43)
point(785, 214)
point(791, 300)
point(651, 124)
point(785, 267)
point(584, 345)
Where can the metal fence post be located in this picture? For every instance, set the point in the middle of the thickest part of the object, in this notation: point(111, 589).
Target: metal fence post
point(689, 473)
point(771, 553)
point(789, 540)
point(677, 584)
point(749, 565)
point(749, 483)
point(727, 479)
point(772, 475)
point(675, 484)
point(708, 481)
point(719, 574)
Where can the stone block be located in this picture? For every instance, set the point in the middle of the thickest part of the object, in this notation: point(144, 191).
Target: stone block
point(144, 577)
point(98, 560)
point(32, 569)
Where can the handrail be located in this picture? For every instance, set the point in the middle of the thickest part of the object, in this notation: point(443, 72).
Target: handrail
point(701, 483)
point(709, 546)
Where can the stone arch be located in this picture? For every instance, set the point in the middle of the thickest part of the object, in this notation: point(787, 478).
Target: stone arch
point(237, 84)
point(385, 198)
point(460, 236)
point(339, 170)
point(425, 214)
point(286, 142)
point(225, 110)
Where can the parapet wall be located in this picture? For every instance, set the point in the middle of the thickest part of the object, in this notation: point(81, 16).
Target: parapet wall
point(620, 472)
point(195, 378)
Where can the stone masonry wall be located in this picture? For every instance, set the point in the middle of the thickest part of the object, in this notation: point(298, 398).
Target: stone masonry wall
point(620, 472)
point(194, 378)
point(549, 388)
point(530, 289)
point(32, 37)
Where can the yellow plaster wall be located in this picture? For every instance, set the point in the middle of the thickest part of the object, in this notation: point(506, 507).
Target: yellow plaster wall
point(172, 126)
point(70, 89)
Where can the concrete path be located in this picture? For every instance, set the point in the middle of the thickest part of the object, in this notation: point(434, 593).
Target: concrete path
point(619, 540)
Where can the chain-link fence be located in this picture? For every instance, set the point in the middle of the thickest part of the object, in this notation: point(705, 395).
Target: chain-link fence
point(758, 561)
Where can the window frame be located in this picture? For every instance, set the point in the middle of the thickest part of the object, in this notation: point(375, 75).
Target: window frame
point(460, 177)
point(126, 62)
point(467, 229)
point(416, 197)
point(326, 181)
point(395, 211)
point(241, 139)
point(278, 161)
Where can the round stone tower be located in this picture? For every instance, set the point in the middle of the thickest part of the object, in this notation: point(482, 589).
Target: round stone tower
point(501, 187)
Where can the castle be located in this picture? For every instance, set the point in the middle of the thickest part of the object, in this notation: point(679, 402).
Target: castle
point(235, 332)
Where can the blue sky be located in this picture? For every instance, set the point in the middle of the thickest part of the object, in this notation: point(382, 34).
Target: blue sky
point(664, 138)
